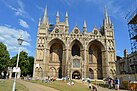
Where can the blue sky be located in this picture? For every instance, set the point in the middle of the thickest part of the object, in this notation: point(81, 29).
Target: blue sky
point(20, 17)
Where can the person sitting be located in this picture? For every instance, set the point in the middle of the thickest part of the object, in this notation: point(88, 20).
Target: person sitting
point(94, 88)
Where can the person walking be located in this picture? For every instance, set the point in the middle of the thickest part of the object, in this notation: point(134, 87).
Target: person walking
point(89, 83)
point(117, 83)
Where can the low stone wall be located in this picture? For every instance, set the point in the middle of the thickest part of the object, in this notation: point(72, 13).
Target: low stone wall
point(125, 79)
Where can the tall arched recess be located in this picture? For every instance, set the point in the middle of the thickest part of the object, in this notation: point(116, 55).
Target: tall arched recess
point(76, 48)
point(95, 60)
point(56, 56)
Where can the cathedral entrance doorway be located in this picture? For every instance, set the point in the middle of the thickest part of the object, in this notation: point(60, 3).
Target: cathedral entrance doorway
point(76, 75)
point(56, 57)
point(91, 73)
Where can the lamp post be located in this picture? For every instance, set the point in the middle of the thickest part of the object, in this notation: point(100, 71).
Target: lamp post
point(20, 40)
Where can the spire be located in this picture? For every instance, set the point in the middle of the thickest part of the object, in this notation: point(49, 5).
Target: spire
point(95, 27)
point(66, 14)
point(57, 17)
point(45, 12)
point(57, 14)
point(106, 21)
point(85, 27)
point(45, 19)
point(76, 25)
point(67, 24)
point(39, 22)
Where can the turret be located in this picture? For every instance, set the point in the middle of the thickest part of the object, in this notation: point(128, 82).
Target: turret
point(57, 18)
point(66, 19)
point(125, 53)
point(67, 24)
point(84, 27)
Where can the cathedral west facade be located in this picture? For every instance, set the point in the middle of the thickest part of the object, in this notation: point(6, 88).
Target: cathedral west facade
point(76, 53)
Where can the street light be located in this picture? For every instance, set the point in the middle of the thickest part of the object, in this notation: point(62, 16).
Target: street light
point(20, 40)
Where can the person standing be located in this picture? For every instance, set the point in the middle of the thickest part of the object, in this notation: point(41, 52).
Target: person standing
point(117, 83)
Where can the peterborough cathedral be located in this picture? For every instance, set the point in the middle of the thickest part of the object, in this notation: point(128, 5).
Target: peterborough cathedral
point(76, 53)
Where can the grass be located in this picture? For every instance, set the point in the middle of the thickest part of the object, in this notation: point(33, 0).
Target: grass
point(62, 86)
point(6, 85)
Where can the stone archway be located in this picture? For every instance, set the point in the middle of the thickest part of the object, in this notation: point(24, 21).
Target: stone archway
point(95, 59)
point(76, 48)
point(91, 73)
point(56, 56)
point(76, 75)
point(52, 72)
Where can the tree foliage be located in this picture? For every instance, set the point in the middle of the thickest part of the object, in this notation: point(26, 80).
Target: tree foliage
point(4, 57)
point(25, 63)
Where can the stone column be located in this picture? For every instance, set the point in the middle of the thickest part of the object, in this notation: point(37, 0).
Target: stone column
point(85, 61)
point(44, 59)
point(47, 62)
point(67, 62)
point(107, 64)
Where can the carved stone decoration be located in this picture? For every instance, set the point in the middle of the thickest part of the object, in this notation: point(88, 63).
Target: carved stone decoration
point(76, 31)
point(57, 30)
point(95, 32)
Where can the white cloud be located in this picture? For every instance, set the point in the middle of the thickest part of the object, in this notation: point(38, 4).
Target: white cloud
point(23, 23)
point(40, 8)
point(18, 8)
point(9, 36)
point(68, 2)
point(118, 51)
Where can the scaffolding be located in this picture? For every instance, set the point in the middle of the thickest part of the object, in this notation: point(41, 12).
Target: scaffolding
point(132, 29)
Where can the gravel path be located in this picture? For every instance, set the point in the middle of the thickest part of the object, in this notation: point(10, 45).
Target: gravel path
point(36, 87)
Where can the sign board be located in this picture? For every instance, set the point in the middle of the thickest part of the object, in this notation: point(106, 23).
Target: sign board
point(37, 65)
point(16, 69)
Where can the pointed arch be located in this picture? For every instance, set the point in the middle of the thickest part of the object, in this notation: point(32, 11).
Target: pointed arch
point(99, 43)
point(56, 40)
point(91, 73)
point(76, 74)
point(76, 47)
point(52, 72)
point(95, 57)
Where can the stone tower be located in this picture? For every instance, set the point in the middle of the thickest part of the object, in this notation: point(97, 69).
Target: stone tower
point(75, 54)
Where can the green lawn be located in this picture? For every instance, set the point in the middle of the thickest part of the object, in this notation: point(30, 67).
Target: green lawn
point(6, 85)
point(62, 86)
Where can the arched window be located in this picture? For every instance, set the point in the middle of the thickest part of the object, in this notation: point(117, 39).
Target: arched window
point(75, 50)
point(90, 55)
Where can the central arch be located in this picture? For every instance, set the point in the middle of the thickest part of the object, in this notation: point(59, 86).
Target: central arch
point(56, 56)
point(76, 75)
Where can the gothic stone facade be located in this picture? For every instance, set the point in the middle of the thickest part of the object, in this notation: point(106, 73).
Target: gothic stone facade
point(76, 54)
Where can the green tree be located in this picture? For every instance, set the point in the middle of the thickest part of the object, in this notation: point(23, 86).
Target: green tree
point(25, 63)
point(4, 57)
point(31, 61)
